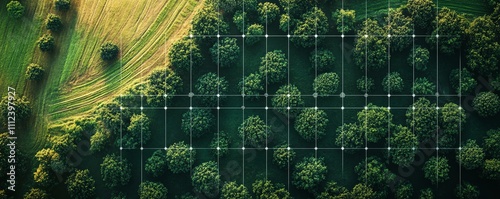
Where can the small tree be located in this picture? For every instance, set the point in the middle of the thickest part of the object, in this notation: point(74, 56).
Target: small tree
point(184, 55)
point(34, 193)
point(152, 190)
point(265, 189)
point(374, 172)
point(46, 43)
point(403, 141)
point(350, 135)
point(426, 194)
point(209, 86)
point(254, 33)
point(311, 124)
point(492, 143)
point(268, 12)
point(393, 83)
point(273, 66)
point(436, 169)
point(34, 72)
point(466, 190)
point(283, 155)
point(156, 164)
point(138, 132)
point(180, 157)
point(206, 179)
point(471, 156)
point(226, 52)
point(362, 191)
point(15, 9)
point(287, 96)
point(313, 22)
point(81, 185)
point(252, 85)
point(208, 21)
point(491, 169)
point(365, 84)
point(240, 19)
point(334, 191)
point(231, 190)
point(221, 143)
point(452, 118)
point(404, 191)
point(326, 84)
point(197, 122)
point(375, 122)
point(370, 51)
point(422, 12)
point(53, 23)
point(160, 83)
point(115, 171)
point(422, 86)
point(486, 104)
point(285, 23)
point(62, 5)
point(464, 86)
point(422, 118)
point(309, 173)
point(399, 25)
point(419, 58)
point(254, 131)
point(109, 51)
point(321, 60)
point(345, 20)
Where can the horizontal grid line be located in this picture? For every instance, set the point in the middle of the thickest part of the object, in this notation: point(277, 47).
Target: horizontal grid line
point(298, 148)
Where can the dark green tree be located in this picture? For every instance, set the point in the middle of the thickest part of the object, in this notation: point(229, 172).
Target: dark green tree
point(422, 12)
point(403, 140)
point(220, 142)
point(62, 144)
point(53, 23)
point(492, 143)
point(334, 191)
point(311, 124)
point(370, 50)
point(422, 118)
point(399, 27)
point(309, 173)
point(15, 9)
point(452, 118)
point(81, 185)
point(404, 191)
point(156, 164)
point(345, 20)
point(464, 86)
point(62, 5)
point(286, 22)
point(241, 20)
point(393, 83)
point(206, 179)
point(265, 189)
point(326, 84)
point(422, 86)
point(466, 190)
point(322, 60)
point(115, 171)
point(34, 72)
point(268, 12)
point(161, 86)
point(252, 85)
point(22, 108)
point(46, 43)
point(374, 172)
point(491, 169)
point(451, 24)
point(138, 132)
point(180, 157)
point(185, 56)
point(254, 34)
point(374, 121)
point(226, 52)
point(486, 104)
point(283, 155)
point(426, 194)
point(34, 193)
point(109, 51)
point(112, 116)
point(197, 122)
point(419, 58)
point(211, 89)
point(254, 131)
point(350, 135)
point(471, 156)
point(313, 22)
point(287, 96)
point(362, 191)
point(273, 66)
point(152, 190)
point(365, 84)
point(483, 48)
point(436, 169)
point(207, 23)
point(231, 190)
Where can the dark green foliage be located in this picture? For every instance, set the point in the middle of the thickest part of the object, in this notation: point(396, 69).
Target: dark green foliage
point(422, 118)
point(403, 140)
point(152, 190)
point(21, 106)
point(264, 189)
point(287, 96)
point(252, 86)
point(221, 143)
point(374, 121)
point(112, 116)
point(197, 122)
point(312, 23)
point(180, 157)
point(62, 144)
point(34, 72)
point(273, 66)
point(464, 86)
point(350, 135)
point(419, 58)
point(231, 190)
point(208, 22)
point(34, 193)
point(422, 86)
point(109, 51)
point(322, 60)
point(226, 52)
point(466, 190)
point(283, 155)
point(404, 191)
point(370, 50)
point(185, 55)
point(15, 9)
point(160, 83)
point(492, 143)
point(399, 27)
point(426, 194)
point(364, 84)
point(46, 43)
point(452, 25)
point(254, 131)
point(471, 156)
point(311, 124)
point(452, 118)
point(483, 48)
point(138, 132)
point(362, 191)
point(206, 179)
point(374, 173)
point(268, 12)
point(81, 185)
point(345, 20)
point(436, 169)
point(53, 23)
point(44, 176)
point(254, 34)
point(491, 169)
point(62, 5)
point(309, 173)
point(115, 171)
point(486, 104)
point(422, 12)
point(241, 20)
point(286, 22)
point(326, 84)
point(393, 83)
point(209, 86)
point(334, 191)
point(156, 164)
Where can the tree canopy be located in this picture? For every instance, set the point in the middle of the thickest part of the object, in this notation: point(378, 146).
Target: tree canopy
point(466, 190)
point(206, 179)
point(287, 96)
point(283, 155)
point(62, 5)
point(226, 52)
point(254, 131)
point(311, 124)
point(370, 51)
point(21, 106)
point(81, 185)
point(254, 34)
point(403, 140)
point(115, 171)
point(34, 72)
point(399, 27)
point(313, 22)
point(422, 86)
point(15, 9)
point(422, 12)
point(483, 48)
point(180, 157)
point(221, 143)
point(393, 83)
point(231, 190)
point(252, 85)
point(207, 23)
point(273, 66)
point(197, 122)
point(422, 118)
point(109, 51)
point(46, 43)
point(322, 60)
point(309, 173)
point(365, 84)
point(486, 104)
point(53, 23)
point(437, 169)
point(184, 55)
point(492, 143)
point(350, 135)
point(451, 24)
point(160, 83)
point(491, 169)
point(419, 58)
point(463, 86)
point(152, 190)
point(265, 189)
point(326, 84)
point(374, 121)
point(268, 12)
point(34, 193)
point(345, 20)
point(156, 164)
point(471, 156)
point(334, 191)
point(138, 132)
point(374, 172)
point(209, 86)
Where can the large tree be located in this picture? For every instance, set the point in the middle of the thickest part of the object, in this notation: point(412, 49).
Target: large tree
point(453, 25)
point(471, 156)
point(422, 118)
point(350, 135)
point(211, 89)
point(309, 173)
point(393, 83)
point(422, 86)
point(161, 86)
point(34, 193)
point(156, 164)
point(46, 43)
point(362, 191)
point(452, 118)
point(437, 169)
point(197, 122)
point(15, 9)
point(491, 169)
point(268, 12)
point(138, 132)
point(115, 171)
point(483, 48)
point(231, 190)
point(225, 52)
point(345, 20)
point(486, 104)
point(254, 34)
point(403, 141)
point(287, 96)
point(374, 172)
point(207, 23)
point(206, 179)
point(62, 5)
point(254, 131)
point(180, 157)
point(152, 190)
point(422, 12)
point(322, 60)
point(265, 189)
point(466, 190)
point(419, 58)
point(313, 22)
point(252, 85)
point(370, 49)
point(273, 66)
point(492, 143)
point(375, 121)
point(184, 55)
point(311, 124)
point(334, 191)
point(399, 27)
point(283, 155)
point(81, 185)
point(326, 84)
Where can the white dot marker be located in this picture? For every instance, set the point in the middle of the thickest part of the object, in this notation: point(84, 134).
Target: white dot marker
point(459, 148)
point(288, 35)
point(413, 95)
point(190, 148)
point(388, 95)
point(413, 107)
point(190, 108)
point(366, 36)
point(342, 108)
point(165, 108)
point(191, 35)
point(366, 107)
point(437, 107)
point(288, 108)
point(218, 95)
point(316, 148)
point(121, 148)
point(267, 36)
point(388, 108)
point(267, 148)
point(315, 108)
point(413, 148)
point(437, 148)
point(388, 148)
point(267, 107)
point(243, 148)
point(437, 36)
point(342, 148)
point(288, 148)
point(459, 108)
point(288, 95)
point(121, 108)
point(366, 148)
point(389, 35)
point(413, 35)
point(342, 35)
point(165, 95)
point(218, 108)
point(142, 108)
point(243, 36)
point(142, 148)
point(218, 148)
point(218, 35)
point(165, 148)
point(316, 36)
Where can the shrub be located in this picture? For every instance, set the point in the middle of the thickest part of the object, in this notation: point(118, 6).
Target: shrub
point(53, 23)
point(62, 5)
point(109, 51)
point(15, 9)
point(486, 104)
point(46, 43)
point(34, 72)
